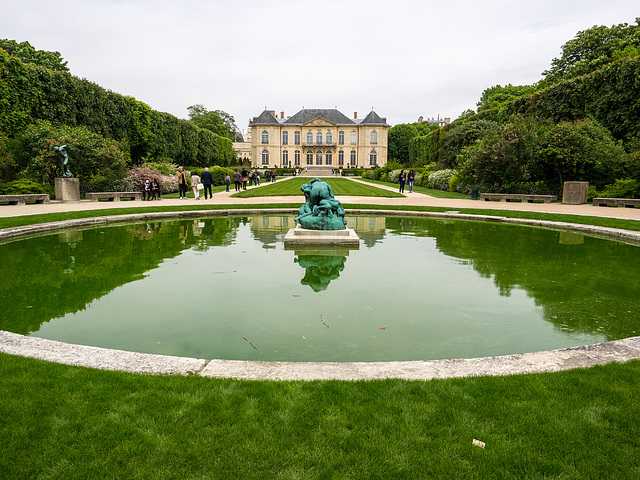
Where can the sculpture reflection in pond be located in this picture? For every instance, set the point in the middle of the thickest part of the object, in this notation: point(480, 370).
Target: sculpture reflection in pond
point(321, 211)
point(320, 269)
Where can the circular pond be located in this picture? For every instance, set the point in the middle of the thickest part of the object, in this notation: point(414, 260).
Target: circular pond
point(415, 289)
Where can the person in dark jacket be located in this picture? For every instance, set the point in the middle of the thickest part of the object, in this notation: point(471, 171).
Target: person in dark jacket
point(207, 181)
point(237, 180)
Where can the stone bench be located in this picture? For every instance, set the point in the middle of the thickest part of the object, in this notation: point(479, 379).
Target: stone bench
point(618, 202)
point(510, 197)
point(23, 199)
point(113, 196)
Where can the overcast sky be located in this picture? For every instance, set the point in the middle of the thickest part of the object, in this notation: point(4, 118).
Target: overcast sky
point(404, 58)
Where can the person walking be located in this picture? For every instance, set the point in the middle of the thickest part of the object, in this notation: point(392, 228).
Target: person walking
point(237, 180)
point(410, 179)
point(402, 179)
point(245, 178)
point(155, 189)
point(195, 183)
point(207, 181)
point(227, 180)
point(182, 183)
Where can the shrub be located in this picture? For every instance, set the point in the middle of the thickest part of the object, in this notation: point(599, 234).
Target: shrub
point(629, 188)
point(393, 175)
point(163, 165)
point(440, 180)
point(24, 187)
point(89, 153)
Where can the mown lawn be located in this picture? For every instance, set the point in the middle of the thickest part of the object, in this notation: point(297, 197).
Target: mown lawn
point(424, 190)
point(340, 186)
point(67, 422)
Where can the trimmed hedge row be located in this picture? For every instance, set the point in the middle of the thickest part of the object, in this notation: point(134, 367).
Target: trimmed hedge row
point(29, 93)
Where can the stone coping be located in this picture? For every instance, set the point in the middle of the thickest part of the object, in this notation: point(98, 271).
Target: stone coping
point(109, 359)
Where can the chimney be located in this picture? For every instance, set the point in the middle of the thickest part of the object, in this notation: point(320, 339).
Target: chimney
point(355, 115)
point(273, 113)
point(281, 114)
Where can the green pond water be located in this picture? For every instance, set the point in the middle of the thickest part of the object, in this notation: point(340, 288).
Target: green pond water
point(416, 289)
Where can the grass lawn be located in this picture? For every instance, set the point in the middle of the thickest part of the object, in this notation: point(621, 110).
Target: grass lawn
point(67, 422)
point(424, 190)
point(340, 186)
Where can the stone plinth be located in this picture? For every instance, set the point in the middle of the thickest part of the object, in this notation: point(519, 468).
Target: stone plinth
point(303, 236)
point(67, 189)
point(575, 193)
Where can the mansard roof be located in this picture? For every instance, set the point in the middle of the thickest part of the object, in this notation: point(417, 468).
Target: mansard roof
point(306, 115)
point(373, 119)
point(265, 118)
point(330, 114)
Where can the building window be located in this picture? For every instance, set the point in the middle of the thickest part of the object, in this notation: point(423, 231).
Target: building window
point(265, 157)
point(373, 158)
point(354, 138)
point(319, 138)
point(328, 158)
point(329, 138)
point(309, 138)
point(285, 157)
point(296, 157)
point(353, 157)
point(341, 138)
point(265, 137)
point(318, 157)
point(309, 157)
point(341, 157)
point(285, 138)
point(296, 136)
point(374, 138)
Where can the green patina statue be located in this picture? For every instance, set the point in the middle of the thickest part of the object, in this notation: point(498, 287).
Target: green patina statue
point(64, 161)
point(321, 210)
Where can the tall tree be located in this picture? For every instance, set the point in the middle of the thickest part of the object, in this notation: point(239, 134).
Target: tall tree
point(216, 121)
point(399, 137)
point(495, 96)
point(592, 49)
point(28, 54)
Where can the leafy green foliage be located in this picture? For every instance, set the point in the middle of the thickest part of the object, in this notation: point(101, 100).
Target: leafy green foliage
point(28, 54)
point(629, 188)
point(31, 93)
point(22, 187)
point(496, 96)
point(89, 153)
point(399, 137)
point(579, 151)
point(592, 49)
point(216, 121)
point(527, 156)
point(440, 180)
point(460, 135)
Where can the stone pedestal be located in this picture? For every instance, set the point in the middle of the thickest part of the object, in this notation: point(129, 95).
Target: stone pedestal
point(575, 193)
point(67, 189)
point(303, 236)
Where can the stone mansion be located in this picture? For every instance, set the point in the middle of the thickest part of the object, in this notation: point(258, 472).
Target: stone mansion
point(315, 138)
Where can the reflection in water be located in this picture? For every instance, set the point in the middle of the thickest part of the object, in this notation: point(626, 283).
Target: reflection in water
point(320, 269)
point(474, 278)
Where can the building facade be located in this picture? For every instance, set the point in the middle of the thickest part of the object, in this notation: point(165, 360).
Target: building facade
point(318, 138)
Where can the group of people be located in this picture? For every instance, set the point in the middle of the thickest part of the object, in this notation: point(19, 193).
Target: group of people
point(240, 180)
point(150, 190)
point(407, 178)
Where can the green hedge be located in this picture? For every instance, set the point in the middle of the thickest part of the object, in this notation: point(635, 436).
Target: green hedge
point(29, 93)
